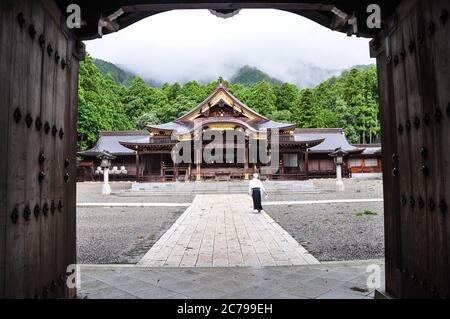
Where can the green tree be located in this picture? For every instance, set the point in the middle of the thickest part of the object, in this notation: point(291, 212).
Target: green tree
point(262, 98)
point(282, 116)
point(99, 107)
point(307, 113)
point(194, 91)
point(287, 96)
point(173, 92)
point(146, 119)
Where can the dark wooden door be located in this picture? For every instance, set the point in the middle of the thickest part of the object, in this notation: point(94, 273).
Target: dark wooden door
point(38, 89)
point(414, 70)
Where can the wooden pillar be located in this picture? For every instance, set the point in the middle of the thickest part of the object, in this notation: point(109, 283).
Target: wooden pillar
point(198, 160)
point(307, 164)
point(175, 171)
point(175, 166)
point(137, 167)
point(189, 172)
point(299, 163)
point(162, 166)
point(246, 160)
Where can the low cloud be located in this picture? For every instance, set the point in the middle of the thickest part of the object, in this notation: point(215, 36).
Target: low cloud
point(193, 44)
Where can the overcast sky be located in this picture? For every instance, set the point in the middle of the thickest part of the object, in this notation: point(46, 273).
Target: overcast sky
point(194, 44)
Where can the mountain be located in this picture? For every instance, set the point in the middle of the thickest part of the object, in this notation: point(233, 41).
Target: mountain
point(362, 67)
point(302, 74)
point(120, 76)
point(248, 75)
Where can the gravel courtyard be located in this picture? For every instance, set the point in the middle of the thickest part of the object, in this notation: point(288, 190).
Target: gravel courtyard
point(335, 232)
point(91, 193)
point(120, 235)
point(331, 232)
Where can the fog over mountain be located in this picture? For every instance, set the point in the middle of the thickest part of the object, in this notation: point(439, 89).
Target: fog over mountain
point(246, 75)
point(303, 75)
point(185, 45)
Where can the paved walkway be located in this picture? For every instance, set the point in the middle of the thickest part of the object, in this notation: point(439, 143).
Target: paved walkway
point(221, 231)
point(347, 280)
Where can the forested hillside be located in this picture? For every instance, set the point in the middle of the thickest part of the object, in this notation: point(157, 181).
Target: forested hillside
point(349, 101)
point(120, 76)
point(248, 75)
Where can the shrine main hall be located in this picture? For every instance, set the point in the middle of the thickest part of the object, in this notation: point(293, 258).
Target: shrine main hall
point(176, 151)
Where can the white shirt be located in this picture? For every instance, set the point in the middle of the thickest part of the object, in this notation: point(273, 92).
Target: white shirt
point(256, 183)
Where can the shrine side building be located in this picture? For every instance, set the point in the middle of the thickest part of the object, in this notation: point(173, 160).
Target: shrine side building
point(149, 156)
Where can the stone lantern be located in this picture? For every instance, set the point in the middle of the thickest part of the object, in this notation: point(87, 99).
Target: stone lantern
point(106, 158)
point(338, 156)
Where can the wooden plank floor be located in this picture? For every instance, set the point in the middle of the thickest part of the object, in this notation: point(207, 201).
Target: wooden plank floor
point(222, 231)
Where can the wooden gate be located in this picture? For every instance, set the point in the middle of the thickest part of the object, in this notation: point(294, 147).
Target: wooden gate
point(39, 61)
point(38, 88)
point(414, 69)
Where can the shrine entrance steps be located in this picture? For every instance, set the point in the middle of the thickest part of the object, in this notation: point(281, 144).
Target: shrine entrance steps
point(237, 187)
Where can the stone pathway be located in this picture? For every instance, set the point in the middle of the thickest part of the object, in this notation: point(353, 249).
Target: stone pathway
point(221, 231)
point(346, 280)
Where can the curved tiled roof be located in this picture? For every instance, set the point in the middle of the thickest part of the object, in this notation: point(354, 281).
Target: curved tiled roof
point(274, 125)
point(178, 128)
point(333, 139)
point(221, 87)
point(370, 149)
point(255, 127)
point(181, 126)
point(113, 142)
point(110, 142)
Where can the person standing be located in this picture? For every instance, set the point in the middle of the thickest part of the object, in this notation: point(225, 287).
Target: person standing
point(256, 190)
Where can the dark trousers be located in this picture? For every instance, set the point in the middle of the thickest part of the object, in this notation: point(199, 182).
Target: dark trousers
point(256, 194)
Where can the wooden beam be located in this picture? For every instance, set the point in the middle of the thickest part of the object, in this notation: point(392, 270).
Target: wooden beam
point(227, 6)
point(318, 11)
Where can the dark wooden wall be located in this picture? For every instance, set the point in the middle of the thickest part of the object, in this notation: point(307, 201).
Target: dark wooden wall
point(414, 70)
point(38, 89)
